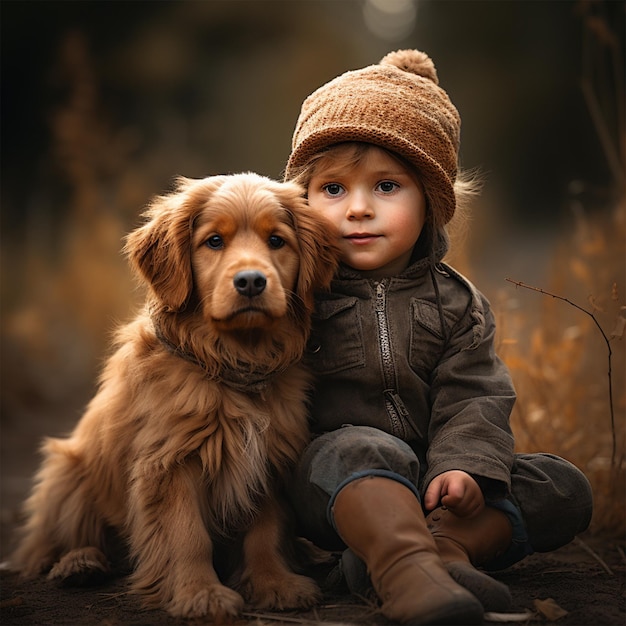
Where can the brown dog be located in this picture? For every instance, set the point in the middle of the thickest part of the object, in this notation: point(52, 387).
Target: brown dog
point(201, 410)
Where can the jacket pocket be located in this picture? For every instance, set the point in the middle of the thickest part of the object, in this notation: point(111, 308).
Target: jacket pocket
point(427, 335)
point(336, 342)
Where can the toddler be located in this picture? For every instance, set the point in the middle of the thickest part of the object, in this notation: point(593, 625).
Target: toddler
point(411, 469)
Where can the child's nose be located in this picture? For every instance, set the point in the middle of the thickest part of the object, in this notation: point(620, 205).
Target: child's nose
point(359, 206)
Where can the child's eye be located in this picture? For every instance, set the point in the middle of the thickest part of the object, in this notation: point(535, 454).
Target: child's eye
point(333, 189)
point(387, 186)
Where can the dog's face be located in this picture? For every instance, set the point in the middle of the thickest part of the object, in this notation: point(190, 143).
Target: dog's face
point(244, 250)
point(245, 255)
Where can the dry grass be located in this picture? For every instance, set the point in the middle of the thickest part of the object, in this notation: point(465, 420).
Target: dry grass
point(567, 353)
point(559, 358)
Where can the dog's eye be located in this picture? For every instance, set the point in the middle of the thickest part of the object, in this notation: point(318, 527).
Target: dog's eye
point(276, 242)
point(215, 242)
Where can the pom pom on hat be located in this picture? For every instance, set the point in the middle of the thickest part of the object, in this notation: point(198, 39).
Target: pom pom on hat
point(396, 104)
point(412, 61)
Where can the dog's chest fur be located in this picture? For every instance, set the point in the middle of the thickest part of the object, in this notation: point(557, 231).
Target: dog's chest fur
point(248, 442)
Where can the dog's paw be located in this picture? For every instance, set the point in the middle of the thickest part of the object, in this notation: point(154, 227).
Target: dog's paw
point(290, 591)
point(217, 602)
point(80, 567)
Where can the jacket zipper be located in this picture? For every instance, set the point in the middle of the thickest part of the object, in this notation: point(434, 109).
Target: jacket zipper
point(393, 403)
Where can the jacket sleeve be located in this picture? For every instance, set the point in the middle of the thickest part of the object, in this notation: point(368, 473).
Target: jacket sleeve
point(472, 396)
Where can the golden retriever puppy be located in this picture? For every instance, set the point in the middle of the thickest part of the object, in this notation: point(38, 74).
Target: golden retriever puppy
point(201, 409)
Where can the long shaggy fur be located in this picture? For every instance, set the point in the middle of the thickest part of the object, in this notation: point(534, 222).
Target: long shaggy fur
point(201, 409)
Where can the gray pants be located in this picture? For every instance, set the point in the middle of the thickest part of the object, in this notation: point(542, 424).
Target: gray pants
point(551, 500)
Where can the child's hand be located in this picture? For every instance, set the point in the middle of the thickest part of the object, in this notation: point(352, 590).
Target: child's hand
point(457, 491)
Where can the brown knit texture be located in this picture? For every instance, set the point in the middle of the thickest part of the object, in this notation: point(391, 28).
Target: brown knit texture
point(396, 104)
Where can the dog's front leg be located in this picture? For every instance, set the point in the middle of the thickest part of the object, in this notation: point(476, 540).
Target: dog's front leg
point(267, 581)
point(171, 546)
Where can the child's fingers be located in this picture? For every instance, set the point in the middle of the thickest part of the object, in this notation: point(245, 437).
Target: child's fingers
point(432, 495)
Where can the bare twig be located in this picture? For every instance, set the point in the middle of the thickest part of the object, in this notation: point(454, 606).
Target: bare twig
point(518, 283)
point(604, 134)
point(506, 618)
point(600, 45)
point(287, 619)
point(588, 550)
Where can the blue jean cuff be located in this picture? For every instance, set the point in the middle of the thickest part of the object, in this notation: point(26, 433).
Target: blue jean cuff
point(520, 546)
point(363, 474)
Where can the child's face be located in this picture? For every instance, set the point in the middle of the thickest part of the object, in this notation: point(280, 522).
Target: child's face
point(379, 207)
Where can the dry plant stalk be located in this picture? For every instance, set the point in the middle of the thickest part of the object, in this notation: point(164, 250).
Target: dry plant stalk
point(559, 375)
point(618, 328)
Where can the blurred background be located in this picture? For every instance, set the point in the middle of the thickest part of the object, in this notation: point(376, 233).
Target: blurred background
point(104, 103)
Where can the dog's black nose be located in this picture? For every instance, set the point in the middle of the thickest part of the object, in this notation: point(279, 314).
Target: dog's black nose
point(250, 282)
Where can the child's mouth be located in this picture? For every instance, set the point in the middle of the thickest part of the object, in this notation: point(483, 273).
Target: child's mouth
point(361, 238)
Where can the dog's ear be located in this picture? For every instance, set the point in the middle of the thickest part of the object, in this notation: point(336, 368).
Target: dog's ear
point(160, 250)
point(317, 238)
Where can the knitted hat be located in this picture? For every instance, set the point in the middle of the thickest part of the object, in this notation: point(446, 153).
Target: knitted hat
point(396, 104)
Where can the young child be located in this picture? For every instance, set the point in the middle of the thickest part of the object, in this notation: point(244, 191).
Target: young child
point(411, 469)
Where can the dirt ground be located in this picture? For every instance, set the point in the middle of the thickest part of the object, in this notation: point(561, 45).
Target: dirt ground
point(581, 584)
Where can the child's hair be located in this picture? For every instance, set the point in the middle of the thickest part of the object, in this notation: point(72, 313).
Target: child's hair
point(348, 155)
point(397, 105)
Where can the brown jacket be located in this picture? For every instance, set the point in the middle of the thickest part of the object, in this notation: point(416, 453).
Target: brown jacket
point(414, 356)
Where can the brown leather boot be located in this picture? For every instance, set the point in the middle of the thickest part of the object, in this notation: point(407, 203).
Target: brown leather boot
point(382, 521)
point(467, 543)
